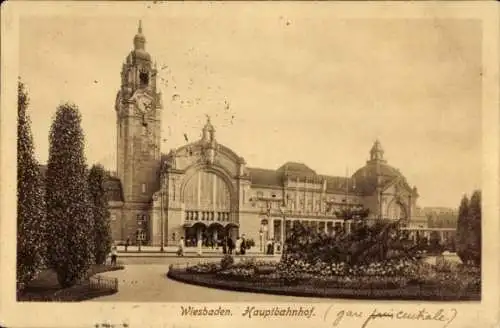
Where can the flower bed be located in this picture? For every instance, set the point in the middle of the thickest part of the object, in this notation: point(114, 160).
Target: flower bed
point(309, 288)
point(204, 268)
point(402, 278)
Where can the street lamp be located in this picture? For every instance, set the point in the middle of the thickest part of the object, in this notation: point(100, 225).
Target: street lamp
point(260, 235)
point(161, 219)
point(283, 224)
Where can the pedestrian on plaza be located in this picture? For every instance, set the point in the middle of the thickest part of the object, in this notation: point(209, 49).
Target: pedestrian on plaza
point(269, 247)
point(238, 246)
point(200, 244)
point(243, 245)
point(224, 245)
point(114, 254)
point(230, 245)
point(180, 250)
point(126, 244)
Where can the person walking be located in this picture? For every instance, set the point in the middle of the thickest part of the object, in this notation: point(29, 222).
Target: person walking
point(180, 250)
point(200, 244)
point(269, 247)
point(114, 254)
point(224, 245)
point(238, 246)
point(243, 245)
point(230, 245)
point(127, 243)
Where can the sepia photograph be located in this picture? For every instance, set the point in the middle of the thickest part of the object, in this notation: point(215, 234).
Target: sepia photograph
point(218, 153)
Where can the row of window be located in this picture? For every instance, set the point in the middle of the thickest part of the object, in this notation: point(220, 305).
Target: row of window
point(302, 201)
point(327, 208)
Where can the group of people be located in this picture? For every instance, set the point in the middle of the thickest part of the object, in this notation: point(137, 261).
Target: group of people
point(228, 246)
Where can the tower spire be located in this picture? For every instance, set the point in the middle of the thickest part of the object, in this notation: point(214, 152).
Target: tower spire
point(139, 39)
point(377, 152)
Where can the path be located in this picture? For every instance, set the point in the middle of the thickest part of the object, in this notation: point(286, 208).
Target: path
point(148, 283)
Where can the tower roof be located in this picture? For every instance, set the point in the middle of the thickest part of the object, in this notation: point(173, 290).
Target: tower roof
point(208, 125)
point(377, 152)
point(139, 38)
point(377, 147)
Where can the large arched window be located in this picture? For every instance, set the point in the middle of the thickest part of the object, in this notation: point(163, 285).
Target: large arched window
point(207, 191)
point(396, 211)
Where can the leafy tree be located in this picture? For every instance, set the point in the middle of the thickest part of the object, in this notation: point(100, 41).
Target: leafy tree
point(364, 244)
point(100, 213)
point(69, 216)
point(30, 197)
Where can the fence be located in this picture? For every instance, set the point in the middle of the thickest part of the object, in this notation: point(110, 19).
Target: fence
point(98, 283)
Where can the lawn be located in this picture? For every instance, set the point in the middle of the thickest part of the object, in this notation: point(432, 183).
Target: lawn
point(45, 287)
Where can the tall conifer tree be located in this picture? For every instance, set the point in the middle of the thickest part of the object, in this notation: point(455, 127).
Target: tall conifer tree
point(100, 213)
point(69, 213)
point(30, 197)
point(463, 229)
point(474, 218)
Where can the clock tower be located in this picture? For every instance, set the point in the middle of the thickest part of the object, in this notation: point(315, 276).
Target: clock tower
point(138, 119)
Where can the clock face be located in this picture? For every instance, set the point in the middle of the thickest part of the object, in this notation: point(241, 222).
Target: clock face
point(143, 102)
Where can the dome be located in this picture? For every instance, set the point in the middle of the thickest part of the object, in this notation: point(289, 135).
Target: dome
point(376, 171)
point(372, 175)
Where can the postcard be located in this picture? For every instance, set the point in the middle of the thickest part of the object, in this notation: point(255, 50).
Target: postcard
point(184, 164)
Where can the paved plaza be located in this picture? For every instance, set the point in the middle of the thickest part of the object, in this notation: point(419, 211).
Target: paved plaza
point(144, 280)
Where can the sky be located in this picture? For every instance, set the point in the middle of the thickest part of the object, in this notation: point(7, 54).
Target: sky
point(279, 86)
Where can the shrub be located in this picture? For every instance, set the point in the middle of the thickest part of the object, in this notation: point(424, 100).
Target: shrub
point(226, 262)
point(265, 269)
point(203, 268)
point(236, 273)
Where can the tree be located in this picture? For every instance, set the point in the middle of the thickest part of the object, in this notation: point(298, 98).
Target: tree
point(69, 216)
point(474, 225)
point(462, 229)
point(469, 229)
point(100, 213)
point(434, 243)
point(364, 244)
point(30, 197)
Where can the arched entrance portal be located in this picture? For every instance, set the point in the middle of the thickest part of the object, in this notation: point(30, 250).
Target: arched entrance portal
point(396, 211)
point(195, 232)
point(207, 203)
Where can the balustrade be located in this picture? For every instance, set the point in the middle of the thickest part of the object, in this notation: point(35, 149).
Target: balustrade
point(206, 216)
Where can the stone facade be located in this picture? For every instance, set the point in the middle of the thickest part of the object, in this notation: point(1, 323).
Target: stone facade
point(204, 189)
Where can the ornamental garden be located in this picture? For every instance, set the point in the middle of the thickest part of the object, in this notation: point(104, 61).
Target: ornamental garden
point(372, 261)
